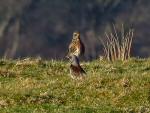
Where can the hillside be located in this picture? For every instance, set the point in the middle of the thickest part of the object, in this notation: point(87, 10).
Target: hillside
point(39, 86)
point(44, 27)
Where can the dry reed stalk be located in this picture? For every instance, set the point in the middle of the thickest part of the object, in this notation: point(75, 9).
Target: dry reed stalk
point(117, 47)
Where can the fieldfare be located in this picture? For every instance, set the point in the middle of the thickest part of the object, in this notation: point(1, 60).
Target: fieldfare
point(76, 46)
point(76, 71)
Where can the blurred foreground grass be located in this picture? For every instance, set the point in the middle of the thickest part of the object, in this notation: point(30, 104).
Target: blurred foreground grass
point(37, 86)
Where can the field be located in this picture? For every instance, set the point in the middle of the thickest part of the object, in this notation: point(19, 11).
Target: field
point(39, 86)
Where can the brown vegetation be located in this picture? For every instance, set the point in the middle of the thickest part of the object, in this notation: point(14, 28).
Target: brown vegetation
point(117, 45)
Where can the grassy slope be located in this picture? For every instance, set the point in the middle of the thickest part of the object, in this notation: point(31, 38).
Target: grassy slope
point(45, 86)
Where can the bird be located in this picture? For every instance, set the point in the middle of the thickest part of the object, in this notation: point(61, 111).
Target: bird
point(76, 71)
point(76, 47)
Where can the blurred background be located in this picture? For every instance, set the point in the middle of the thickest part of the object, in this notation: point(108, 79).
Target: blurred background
point(30, 28)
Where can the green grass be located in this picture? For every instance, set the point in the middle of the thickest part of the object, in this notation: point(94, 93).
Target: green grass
point(37, 86)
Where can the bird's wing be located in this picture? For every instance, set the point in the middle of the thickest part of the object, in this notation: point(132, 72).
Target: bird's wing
point(75, 70)
point(82, 47)
point(82, 70)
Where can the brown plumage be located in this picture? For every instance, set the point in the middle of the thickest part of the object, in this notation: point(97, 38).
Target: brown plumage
point(76, 46)
point(76, 70)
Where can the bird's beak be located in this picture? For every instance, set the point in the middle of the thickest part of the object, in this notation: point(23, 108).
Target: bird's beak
point(67, 57)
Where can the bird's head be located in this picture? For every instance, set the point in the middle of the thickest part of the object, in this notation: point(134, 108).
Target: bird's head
point(76, 35)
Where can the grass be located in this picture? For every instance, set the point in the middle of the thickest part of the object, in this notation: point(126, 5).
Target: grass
point(37, 86)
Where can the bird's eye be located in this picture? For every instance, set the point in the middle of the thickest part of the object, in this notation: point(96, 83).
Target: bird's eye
point(75, 34)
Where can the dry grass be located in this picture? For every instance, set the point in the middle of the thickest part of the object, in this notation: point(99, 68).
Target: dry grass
point(117, 45)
